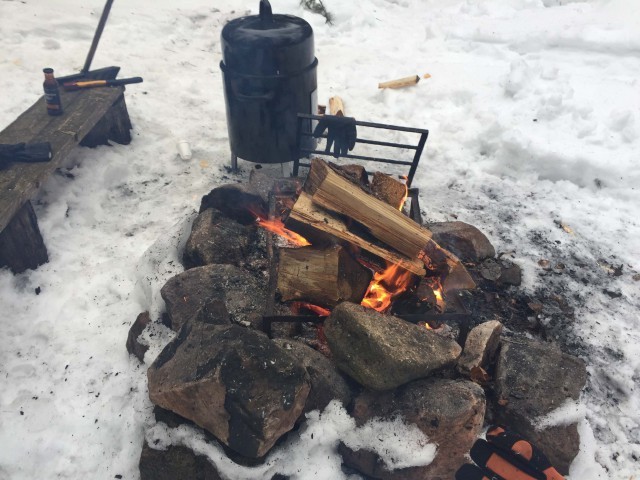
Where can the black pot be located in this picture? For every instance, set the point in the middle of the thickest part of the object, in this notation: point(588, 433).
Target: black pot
point(269, 73)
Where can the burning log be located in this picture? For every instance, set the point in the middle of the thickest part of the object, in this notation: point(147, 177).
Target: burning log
point(389, 190)
point(321, 276)
point(317, 225)
point(333, 192)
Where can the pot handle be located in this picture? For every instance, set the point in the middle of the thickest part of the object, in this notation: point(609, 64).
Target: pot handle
point(266, 14)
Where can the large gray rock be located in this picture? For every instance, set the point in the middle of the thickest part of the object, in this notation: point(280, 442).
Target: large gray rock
point(234, 382)
point(480, 346)
point(175, 463)
point(532, 380)
point(186, 294)
point(383, 352)
point(464, 240)
point(327, 383)
point(217, 239)
point(449, 412)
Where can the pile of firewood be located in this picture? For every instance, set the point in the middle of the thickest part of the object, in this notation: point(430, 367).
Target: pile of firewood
point(344, 217)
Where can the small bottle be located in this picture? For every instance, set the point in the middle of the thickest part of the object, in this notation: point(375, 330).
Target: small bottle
point(51, 93)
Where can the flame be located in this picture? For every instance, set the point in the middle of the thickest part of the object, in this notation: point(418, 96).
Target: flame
point(277, 226)
point(385, 287)
point(406, 192)
point(436, 287)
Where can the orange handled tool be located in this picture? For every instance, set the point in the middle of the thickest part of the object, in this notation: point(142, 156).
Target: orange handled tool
point(507, 456)
point(70, 86)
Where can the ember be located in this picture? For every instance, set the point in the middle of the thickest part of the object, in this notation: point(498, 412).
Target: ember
point(385, 287)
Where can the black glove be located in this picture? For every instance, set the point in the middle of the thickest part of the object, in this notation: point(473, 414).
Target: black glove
point(23, 152)
point(341, 133)
point(507, 456)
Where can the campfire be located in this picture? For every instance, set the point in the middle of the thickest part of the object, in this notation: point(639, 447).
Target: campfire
point(360, 303)
point(345, 239)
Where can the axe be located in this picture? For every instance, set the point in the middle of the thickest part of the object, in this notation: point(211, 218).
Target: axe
point(106, 73)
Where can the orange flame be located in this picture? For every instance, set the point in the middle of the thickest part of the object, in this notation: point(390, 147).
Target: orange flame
point(276, 226)
point(406, 192)
point(385, 287)
point(436, 287)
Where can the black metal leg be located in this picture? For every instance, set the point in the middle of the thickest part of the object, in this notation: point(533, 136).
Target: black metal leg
point(234, 163)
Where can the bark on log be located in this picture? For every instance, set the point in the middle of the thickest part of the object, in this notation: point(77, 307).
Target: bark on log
point(317, 225)
point(388, 189)
point(323, 277)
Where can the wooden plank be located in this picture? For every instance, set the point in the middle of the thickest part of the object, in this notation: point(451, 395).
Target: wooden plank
point(83, 110)
point(21, 245)
point(307, 215)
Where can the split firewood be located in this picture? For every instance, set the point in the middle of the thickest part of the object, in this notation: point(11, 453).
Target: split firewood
point(355, 173)
point(317, 225)
point(388, 189)
point(323, 277)
point(400, 82)
point(333, 192)
point(336, 106)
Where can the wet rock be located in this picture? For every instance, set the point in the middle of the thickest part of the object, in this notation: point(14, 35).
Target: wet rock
point(217, 239)
point(381, 351)
point(134, 347)
point(464, 240)
point(236, 201)
point(327, 383)
point(480, 346)
point(175, 463)
point(186, 294)
point(449, 412)
point(490, 270)
point(532, 380)
point(233, 382)
point(213, 312)
point(511, 273)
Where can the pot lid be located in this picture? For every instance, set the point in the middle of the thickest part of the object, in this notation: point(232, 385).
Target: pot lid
point(267, 44)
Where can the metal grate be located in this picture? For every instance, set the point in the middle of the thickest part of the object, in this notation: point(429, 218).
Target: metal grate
point(413, 163)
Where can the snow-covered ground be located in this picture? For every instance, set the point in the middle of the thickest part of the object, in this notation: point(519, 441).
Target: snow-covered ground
point(534, 112)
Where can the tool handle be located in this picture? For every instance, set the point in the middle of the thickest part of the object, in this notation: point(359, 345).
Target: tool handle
point(71, 86)
point(124, 81)
point(97, 35)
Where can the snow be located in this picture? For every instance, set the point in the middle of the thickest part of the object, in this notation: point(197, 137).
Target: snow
point(532, 108)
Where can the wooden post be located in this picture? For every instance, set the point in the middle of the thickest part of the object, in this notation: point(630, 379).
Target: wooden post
point(336, 106)
point(115, 126)
point(21, 244)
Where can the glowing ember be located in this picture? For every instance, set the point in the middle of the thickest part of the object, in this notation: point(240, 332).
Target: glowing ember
point(297, 307)
point(385, 287)
point(406, 192)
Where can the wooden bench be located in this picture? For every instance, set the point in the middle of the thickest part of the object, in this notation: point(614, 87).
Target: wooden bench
point(91, 117)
